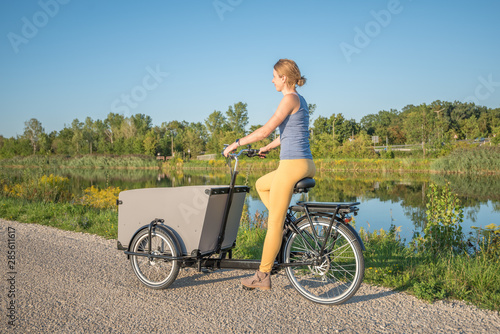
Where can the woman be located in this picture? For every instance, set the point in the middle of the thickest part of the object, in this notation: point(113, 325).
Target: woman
point(276, 188)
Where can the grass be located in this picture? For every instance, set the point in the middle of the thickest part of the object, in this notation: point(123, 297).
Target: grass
point(65, 216)
point(480, 160)
point(474, 278)
point(82, 161)
point(47, 200)
point(251, 235)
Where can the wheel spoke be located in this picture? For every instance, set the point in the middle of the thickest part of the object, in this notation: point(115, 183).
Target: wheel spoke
point(154, 272)
point(337, 274)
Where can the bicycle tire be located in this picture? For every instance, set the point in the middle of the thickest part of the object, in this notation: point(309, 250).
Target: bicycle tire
point(339, 273)
point(155, 273)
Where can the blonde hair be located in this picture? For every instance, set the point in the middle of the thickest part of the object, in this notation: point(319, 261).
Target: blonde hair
point(290, 69)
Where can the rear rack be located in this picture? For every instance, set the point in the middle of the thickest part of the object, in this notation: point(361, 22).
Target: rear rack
point(343, 208)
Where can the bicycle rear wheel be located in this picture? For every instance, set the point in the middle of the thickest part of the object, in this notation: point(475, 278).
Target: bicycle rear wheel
point(155, 273)
point(336, 276)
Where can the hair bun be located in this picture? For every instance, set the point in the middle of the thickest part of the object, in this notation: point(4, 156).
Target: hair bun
point(301, 81)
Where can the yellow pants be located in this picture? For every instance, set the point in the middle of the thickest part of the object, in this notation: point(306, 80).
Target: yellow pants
point(275, 190)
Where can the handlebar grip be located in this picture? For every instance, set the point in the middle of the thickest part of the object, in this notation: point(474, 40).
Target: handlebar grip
point(255, 153)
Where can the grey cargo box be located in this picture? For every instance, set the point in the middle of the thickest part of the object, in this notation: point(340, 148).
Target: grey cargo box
point(194, 214)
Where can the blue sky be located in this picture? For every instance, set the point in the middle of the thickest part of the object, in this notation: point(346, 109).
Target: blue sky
point(181, 60)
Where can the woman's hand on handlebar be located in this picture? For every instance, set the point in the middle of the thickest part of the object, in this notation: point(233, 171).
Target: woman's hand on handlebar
point(230, 149)
point(263, 151)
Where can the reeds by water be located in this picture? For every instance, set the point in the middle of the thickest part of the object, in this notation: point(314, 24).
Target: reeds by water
point(474, 160)
point(83, 161)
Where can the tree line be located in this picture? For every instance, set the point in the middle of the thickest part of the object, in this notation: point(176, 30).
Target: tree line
point(431, 125)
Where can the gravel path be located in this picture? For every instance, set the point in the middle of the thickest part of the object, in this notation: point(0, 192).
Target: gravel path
point(68, 282)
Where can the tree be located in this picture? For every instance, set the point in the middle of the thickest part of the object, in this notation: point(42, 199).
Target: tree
point(194, 139)
point(322, 145)
point(237, 118)
point(88, 133)
point(312, 109)
point(215, 122)
point(369, 123)
point(77, 139)
point(470, 128)
point(321, 125)
point(46, 141)
point(142, 123)
point(128, 129)
point(420, 125)
point(12, 147)
point(344, 129)
point(176, 131)
point(215, 125)
point(32, 131)
point(442, 111)
point(113, 123)
point(62, 143)
point(358, 147)
point(150, 142)
point(385, 124)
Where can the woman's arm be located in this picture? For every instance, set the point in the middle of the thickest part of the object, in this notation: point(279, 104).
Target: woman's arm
point(275, 143)
point(288, 104)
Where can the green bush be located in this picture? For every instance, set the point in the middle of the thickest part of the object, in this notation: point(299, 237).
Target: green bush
point(387, 154)
point(443, 229)
point(251, 235)
point(43, 188)
point(429, 275)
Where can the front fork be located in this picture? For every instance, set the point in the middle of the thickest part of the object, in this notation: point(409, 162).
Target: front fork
point(151, 230)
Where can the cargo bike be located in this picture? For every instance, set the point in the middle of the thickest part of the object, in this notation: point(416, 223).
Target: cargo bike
point(163, 230)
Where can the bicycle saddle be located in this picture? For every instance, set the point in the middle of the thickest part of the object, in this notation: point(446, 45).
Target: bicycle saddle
point(304, 185)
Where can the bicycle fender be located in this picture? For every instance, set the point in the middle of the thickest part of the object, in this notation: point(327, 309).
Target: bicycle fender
point(357, 236)
point(164, 228)
point(171, 233)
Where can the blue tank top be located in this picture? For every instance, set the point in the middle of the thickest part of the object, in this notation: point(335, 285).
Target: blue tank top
point(294, 134)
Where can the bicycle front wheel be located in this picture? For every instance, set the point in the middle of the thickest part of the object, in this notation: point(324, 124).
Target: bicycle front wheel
point(337, 274)
point(155, 273)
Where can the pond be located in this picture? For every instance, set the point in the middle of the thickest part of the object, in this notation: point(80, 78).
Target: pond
point(386, 198)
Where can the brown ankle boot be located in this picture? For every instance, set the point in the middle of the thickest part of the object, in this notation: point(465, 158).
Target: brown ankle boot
point(259, 280)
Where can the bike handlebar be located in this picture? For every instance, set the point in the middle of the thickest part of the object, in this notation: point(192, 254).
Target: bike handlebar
point(249, 152)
